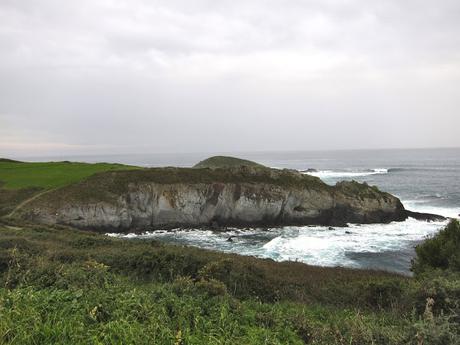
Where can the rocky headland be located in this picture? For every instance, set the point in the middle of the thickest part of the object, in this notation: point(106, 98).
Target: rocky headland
point(210, 196)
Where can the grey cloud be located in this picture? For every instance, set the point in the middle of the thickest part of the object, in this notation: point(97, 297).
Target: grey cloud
point(228, 75)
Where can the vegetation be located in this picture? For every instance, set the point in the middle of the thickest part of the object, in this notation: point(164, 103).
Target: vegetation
point(109, 185)
point(6, 160)
point(441, 251)
point(10, 198)
point(19, 175)
point(362, 190)
point(226, 162)
point(20, 181)
point(65, 286)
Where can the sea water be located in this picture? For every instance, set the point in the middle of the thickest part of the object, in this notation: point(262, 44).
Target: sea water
point(426, 180)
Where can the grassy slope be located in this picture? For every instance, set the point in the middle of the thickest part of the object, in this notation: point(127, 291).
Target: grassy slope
point(6, 160)
point(17, 175)
point(19, 181)
point(73, 287)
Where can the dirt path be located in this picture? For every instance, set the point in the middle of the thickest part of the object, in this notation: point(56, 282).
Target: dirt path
point(25, 202)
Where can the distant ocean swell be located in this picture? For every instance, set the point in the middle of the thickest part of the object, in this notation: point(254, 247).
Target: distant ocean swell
point(326, 174)
point(336, 174)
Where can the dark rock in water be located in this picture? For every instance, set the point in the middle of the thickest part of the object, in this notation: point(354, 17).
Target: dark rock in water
point(331, 228)
point(348, 232)
point(309, 170)
point(429, 217)
point(230, 239)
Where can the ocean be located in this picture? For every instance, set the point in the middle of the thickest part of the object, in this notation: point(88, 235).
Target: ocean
point(426, 180)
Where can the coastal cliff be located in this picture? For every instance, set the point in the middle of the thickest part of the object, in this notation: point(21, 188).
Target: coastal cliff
point(160, 198)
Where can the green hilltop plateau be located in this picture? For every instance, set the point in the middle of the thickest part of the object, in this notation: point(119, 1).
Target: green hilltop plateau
point(20, 181)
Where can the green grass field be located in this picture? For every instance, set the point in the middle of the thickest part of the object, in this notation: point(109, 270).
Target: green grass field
point(18, 175)
point(21, 181)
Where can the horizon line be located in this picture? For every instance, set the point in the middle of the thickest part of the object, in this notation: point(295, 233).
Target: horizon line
point(224, 152)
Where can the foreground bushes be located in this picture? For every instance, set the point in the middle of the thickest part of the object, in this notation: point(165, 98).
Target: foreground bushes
point(84, 303)
point(35, 253)
point(71, 287)
point(183, 312)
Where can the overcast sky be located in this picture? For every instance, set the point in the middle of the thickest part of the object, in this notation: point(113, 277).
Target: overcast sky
point(109, 76)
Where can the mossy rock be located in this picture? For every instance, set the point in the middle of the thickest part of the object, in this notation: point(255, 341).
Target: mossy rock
point(226, 162)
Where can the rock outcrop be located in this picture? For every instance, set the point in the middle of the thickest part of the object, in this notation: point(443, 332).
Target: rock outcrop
point(429, 217)
point(217, 162)
point(181, 197)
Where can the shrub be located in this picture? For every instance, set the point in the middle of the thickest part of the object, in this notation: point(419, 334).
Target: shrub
point(71, 287)
point(242, 280)
point(442, 287)
point(212, 287)
point(383, 294)
point(438, 331)
point(441, 251)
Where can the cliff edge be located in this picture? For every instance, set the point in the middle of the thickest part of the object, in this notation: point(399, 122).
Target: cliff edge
point(241, 195)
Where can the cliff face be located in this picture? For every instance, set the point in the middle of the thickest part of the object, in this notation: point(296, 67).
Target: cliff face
point(165, 198)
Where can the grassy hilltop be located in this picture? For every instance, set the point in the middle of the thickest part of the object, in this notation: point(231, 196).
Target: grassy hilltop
point(20, 181)
point(226, 162)
point(19, 175)
point(65, 286)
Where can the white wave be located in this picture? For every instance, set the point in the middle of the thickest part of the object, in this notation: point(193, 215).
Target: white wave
point(346, 173)
point(315, 245)
point(322, 247)
point(117, 235)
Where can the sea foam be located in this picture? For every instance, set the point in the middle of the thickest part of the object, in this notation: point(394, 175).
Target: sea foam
point(334, 174)
point(315, 245)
